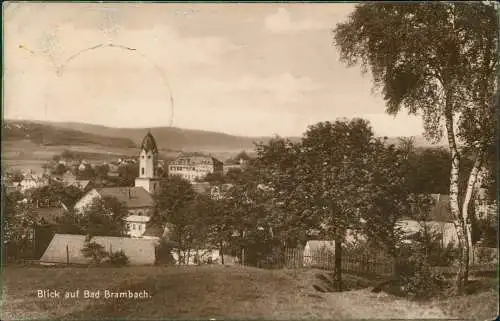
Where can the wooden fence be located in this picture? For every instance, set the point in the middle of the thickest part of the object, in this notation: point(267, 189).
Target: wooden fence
point(379, 265)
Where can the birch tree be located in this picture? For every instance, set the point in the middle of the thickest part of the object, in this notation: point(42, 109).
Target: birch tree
point(437, 60)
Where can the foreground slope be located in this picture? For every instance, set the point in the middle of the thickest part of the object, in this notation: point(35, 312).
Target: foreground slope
point(203, 292)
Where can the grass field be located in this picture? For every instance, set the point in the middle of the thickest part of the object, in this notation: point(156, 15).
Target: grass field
point(213, 292)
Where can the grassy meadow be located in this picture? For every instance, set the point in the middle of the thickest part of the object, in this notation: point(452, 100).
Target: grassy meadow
point(215, 291)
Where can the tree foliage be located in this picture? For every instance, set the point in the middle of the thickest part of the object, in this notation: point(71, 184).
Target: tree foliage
point(438, 60)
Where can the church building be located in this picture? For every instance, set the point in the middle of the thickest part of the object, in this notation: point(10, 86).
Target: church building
point(138, 199)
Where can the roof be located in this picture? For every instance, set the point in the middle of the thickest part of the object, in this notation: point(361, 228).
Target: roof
point(154, 230)
point(138, 251)
point(195, 160)
point(149, 143)
point(201, 188)
point(48, 214)
point(133, 197)
point(440, 212)
point(137, 218)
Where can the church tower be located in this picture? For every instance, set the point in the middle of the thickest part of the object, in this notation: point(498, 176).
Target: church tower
point(148, 165)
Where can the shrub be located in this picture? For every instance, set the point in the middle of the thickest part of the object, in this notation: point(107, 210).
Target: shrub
point(94, 251)
point(118, 258)
point(422, 282)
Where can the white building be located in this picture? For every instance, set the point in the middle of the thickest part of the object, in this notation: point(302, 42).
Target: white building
point(192, 168)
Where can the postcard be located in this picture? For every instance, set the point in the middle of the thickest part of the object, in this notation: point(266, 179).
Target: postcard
point(274, 161)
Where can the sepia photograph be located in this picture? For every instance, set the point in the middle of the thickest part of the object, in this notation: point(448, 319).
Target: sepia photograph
point(249, 161)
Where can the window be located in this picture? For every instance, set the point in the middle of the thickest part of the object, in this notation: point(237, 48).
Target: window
point(142, 170)
point(149, 156)
point(139, 213)
point(133, 226)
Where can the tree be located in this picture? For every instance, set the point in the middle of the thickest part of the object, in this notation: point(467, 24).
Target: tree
point(104, 217)
point(59, 169)
point(18, 224)
point(176, 205)
point(317, 183)
point(439, 60)
point(101, 171)
point(387, 197)
point(54, 193)
point(127, 174)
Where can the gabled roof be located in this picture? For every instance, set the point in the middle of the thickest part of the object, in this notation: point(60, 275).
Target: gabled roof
point(149, 143)
point(440, 212)
point(154, 230)
point(133, 197)
point(138, 251)
point(48, 214)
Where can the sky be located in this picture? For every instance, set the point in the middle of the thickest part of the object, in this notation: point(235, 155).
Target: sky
point(244, 69)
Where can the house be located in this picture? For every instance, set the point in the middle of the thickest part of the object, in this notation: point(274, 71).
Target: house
point(137, 200)
point(439, 220)
point(192, 168)
point(66, 248)
point(31, 181)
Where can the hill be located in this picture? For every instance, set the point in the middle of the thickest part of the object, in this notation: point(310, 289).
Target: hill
point(219, 292)
point(50, 135)
point(171, 138)
point(179, 139)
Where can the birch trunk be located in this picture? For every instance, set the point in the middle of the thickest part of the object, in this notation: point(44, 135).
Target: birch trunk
point(458, 221)
point(468, 197)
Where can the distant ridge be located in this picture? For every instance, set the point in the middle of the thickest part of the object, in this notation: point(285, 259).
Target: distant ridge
point(173, 138)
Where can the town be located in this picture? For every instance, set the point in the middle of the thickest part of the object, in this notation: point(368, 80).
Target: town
point(230, 161)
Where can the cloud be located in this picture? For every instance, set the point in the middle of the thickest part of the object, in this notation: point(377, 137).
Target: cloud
point(282, 88)
point(281, 22)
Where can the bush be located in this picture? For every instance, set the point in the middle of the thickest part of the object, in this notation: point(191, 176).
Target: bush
point(94, 251)
point(422, 282)
point(118, 258)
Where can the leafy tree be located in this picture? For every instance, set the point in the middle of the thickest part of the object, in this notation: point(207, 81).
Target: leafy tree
point(174, 194)
point(17, 227)
point(59, 169)
point(177, 205)
point(56, 192)
point(87, 173)
point(127, 174)
point(439, 60)
point(214, 178)
point(101, 171)
point(104, 217)
point(387, 197)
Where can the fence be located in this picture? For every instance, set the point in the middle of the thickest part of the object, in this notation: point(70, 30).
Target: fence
point(354, 263)
point(379, 265)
